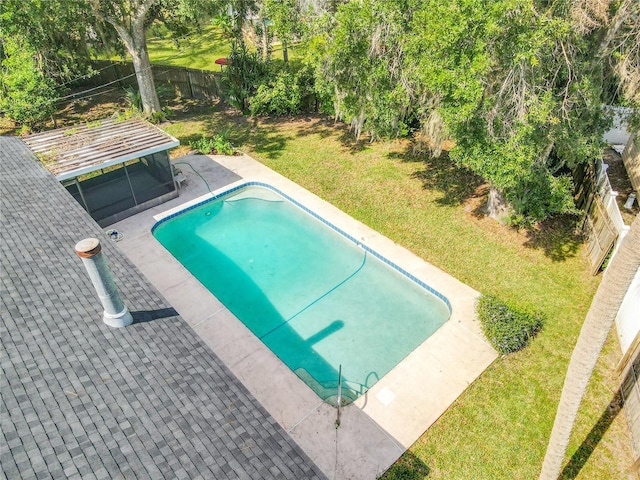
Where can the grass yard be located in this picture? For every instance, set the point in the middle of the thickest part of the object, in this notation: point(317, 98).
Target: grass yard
point(199, 49)
point(500, 426)
point(498, 429)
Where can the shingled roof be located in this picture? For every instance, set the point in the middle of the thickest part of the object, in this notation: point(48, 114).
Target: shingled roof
point(83, 400)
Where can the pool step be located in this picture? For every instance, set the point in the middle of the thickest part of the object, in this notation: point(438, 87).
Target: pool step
point(327, 391)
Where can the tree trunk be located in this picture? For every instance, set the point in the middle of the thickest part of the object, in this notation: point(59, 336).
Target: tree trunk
point(602, 313)
point(131, 31)
point(265, 38)
point(104, 39)
point(144, 75)
point(285, 53)
point(497, 207)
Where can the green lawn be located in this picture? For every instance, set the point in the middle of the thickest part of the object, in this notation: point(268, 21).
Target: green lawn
point(499, 427)
point(199, 49)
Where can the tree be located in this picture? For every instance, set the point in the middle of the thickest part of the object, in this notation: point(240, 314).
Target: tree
point(243, 75)
point(515, 84)
point(42, 48)
point(621, 46)
point(285, 15)
point(128, 19)
point(239, 10)
point(364, 63)
point(55, 32)
point(604, 308)
point(262, 29)
point(517, 90)
point(26, 95)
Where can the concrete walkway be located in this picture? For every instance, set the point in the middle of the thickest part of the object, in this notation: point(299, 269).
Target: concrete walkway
point(383, 423)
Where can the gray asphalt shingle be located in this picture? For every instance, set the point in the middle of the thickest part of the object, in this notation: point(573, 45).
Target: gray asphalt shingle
point(83, 400)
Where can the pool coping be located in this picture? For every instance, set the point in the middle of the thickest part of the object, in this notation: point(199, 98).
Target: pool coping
point(376, 429)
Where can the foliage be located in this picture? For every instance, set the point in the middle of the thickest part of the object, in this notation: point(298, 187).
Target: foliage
point(162, 116)
point(515, 85)
point(26, 95)
point(280, 96)
point(622, 47)
point(241, 9)
point(285, 16)
point(223, 22)
point(55, 31)
point(133, 99)
point(507, 327)
point(217, 145)
point(365, 65)
point(244, 73)
point(317, 65)
point(517, 91)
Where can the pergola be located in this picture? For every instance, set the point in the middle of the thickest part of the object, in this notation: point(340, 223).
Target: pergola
point(113, 168)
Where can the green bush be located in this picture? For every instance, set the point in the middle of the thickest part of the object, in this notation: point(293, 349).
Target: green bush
point(133, 98)
point(244, 72)
point(508, 328)
point(27, 95)
point(281, 96)
point(217, 145)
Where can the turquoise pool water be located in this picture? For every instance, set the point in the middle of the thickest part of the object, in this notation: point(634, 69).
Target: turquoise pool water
point(314, 297)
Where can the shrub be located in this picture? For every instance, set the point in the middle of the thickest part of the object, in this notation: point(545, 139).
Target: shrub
point(27, 95)
point(218, 144)
point(244, 72)
point(508, 328)
point(280, 97)
point(133, 98)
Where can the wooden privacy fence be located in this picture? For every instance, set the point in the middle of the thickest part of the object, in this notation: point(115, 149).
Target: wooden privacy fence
point(631, 159)
point(186, 82)
point(602, 224)
point(600, 233)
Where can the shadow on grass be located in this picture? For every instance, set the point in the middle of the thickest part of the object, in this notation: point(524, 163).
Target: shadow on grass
point(317, 125)
point(556, 236)
point(457, 184)
point(589, 444)
point(324, 127)
point(407, 467)
point(243, 130)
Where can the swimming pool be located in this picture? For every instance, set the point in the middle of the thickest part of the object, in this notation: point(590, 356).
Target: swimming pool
point(314, 295)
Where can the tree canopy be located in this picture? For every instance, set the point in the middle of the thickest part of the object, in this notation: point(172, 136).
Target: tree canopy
point(517, 86)
point(26, 95)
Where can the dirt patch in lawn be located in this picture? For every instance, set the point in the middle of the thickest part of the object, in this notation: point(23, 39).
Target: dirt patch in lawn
point(558, 236)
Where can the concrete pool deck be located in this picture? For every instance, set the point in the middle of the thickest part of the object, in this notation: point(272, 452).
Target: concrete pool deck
point(377, 428)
